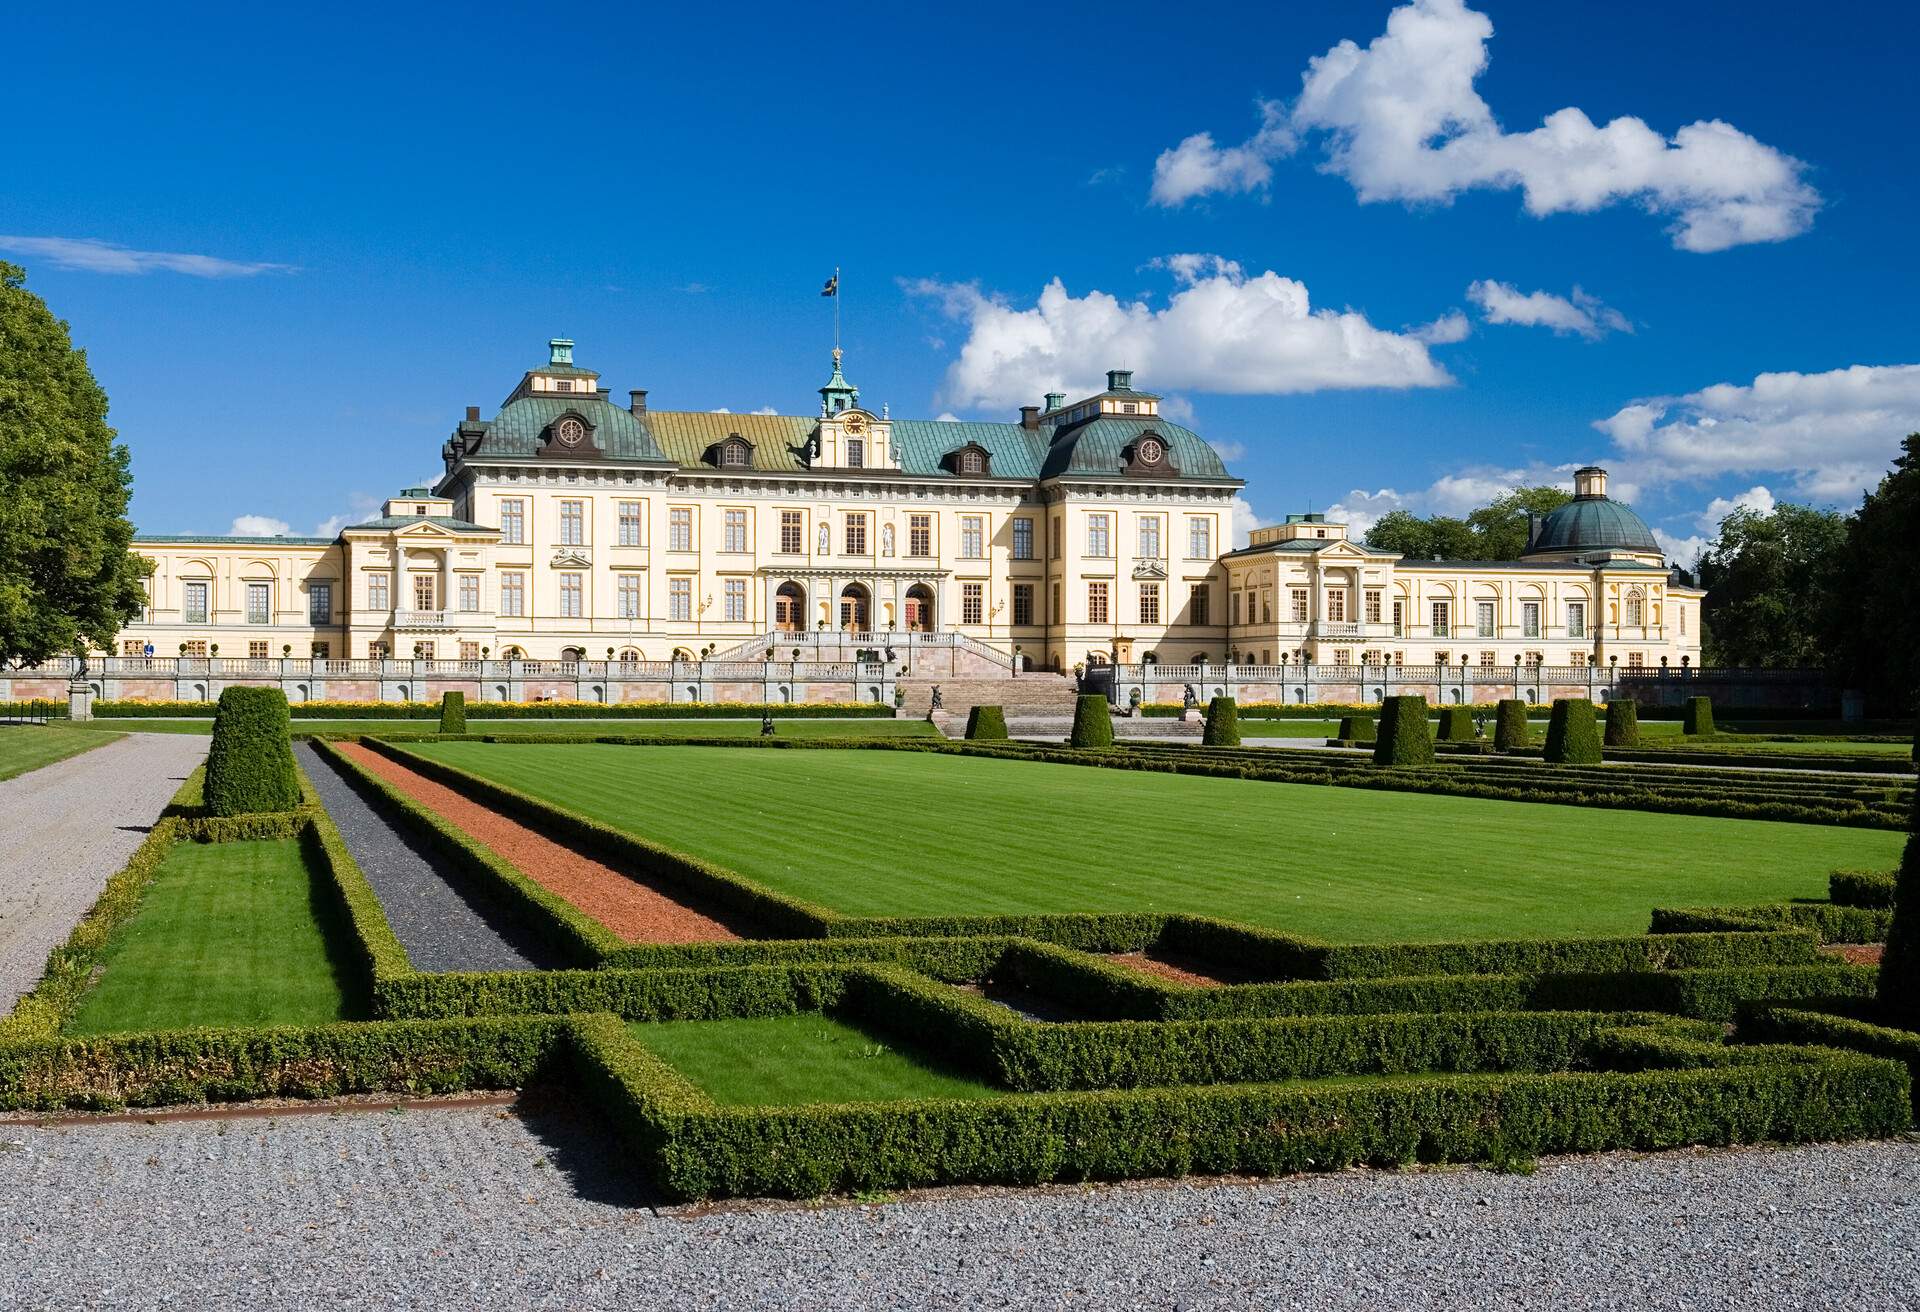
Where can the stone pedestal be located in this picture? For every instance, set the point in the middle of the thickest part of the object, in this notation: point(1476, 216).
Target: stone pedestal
point(1193, 716)
point(939, 720)
point(79, 701)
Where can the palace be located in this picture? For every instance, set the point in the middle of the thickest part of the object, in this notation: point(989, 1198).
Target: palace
point(1091, 530)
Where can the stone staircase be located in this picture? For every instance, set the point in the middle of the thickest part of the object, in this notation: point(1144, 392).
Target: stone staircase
point(1029, 696)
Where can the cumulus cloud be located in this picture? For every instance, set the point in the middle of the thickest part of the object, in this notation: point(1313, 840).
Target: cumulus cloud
point(91, 255)
point(258, 526)
point(360, 506)
point(764, 410)
point(1833, 433)
point(1455, 494)
point(1244, 521)
point(1681, 551)
point(1400, 120)
point(1757, 499)
point(1229, 451)
point(1448, 328)
point(1222, 331)
point(1588, 316)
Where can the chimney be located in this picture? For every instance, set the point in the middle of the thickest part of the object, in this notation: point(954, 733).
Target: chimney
point(1055, 400)
point(473, 414)
point(637, 400)
point(1029, 416)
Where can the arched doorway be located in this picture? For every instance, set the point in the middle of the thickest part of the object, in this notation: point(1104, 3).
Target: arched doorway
point(920, 609)
point(572, 654)
point(790, 608)
point(855, 608)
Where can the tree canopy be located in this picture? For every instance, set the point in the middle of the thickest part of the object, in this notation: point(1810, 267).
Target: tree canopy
point(1496, 531)
point(1876, 588)
point(1769, 581)
point(68, 579)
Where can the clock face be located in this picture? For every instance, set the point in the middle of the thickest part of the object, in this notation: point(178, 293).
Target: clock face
point(570, 431)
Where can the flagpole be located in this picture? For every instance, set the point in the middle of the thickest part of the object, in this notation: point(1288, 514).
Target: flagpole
point(836, 310)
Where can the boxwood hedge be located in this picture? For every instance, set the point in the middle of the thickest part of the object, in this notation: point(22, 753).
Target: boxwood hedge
point(986, 723)
point(250, 766)
point(1222, 728)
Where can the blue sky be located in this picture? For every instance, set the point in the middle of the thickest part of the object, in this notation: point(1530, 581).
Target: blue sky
point(391, 209)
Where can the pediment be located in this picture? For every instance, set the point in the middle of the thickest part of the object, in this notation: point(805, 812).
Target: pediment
point(566, 559)
point(1149, 569)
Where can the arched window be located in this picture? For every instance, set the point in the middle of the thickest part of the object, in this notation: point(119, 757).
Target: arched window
point(972, 462)
point(631, 656)
point(572, 654)
point(733, 455)
point(1636, 607)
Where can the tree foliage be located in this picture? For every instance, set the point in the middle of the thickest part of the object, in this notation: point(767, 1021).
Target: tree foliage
point(1770, 583)
point(1496, 531)
point(67, 577)
point(1877, 588)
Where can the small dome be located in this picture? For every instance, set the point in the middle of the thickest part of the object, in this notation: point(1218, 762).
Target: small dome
point(1593, 523)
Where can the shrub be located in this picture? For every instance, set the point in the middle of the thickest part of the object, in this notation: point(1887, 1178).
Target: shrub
point(1900, 963)
point(1357, 729)
point(453, 712)
point(1573, 736)
point(250, 761)
point(986, 723)
point(1404, 738)
point(1697, 716)
point(1092, 724)
point(1223, 723)
point(1456, 725)
point(1623, 723)
point(1510, 728)
point(1861, 888)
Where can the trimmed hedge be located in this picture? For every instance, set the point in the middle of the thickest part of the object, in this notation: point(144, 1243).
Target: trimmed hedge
point(250, 766)
point(1092, 722)
point(1697, 716)
point(1222, 728)
point(1861, 888)
point(1834, 924)
point(453, 712)
point(1404, 737)
point(986, 724)
point(1510, 727)
point(1623, 723)
point(1456, 725)
point(1900, 962)
point(1357, 729)
point(1572, 736)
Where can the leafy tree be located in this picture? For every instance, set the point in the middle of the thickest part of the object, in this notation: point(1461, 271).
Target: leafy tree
point(1770, 582)
point(67, 578)
point(1404, 532)
point(1496, 531)
point(1500, 528)
point(1876, 621)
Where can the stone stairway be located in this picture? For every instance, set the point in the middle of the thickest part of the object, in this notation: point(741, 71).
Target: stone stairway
point(1028, 696)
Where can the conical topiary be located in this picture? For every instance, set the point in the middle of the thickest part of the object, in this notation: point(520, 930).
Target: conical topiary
point(1404, 737)
point(1510, 729)
point(1223, 723)
point(1899, 996)
point(1456, 725)
point(1697, 717)
point(453, 712)
point(1573, 734)
point(986, 724)
point(1623, 723)
point(250, 760)
point(1092, 722)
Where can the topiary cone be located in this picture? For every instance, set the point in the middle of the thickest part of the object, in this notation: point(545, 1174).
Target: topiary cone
point(1573, 735)
point(250, 760)
point(1404, 737)
point(1222, 728)
point(1697, 717)
point(1623, 723)
point(1510, 729)
point(987, 724)
point(453, 712)
point(1092, 722)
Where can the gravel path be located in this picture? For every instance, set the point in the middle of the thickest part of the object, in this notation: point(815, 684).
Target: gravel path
point(487, 1209)
point(418, 888)
point(65, 829)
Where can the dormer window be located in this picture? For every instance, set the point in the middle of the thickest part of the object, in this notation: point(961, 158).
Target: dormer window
point(419, 510)
point(856, 453)
point(563, 384)
point(1152, 452)
point(734, 455)
point(972, 462)
point(1129, 407)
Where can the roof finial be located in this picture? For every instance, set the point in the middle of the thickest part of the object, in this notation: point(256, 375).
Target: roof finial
point(560, 351)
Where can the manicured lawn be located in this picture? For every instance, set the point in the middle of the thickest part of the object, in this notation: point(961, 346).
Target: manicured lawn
point(799, 1059)
point(896, 833)
point(828, 728)
point(228, 934)
point(1822, 747)
point(1251, 728)
point(25, 747)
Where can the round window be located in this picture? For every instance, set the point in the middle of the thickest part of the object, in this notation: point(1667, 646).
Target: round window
point(570, 431)
point(1151, 451)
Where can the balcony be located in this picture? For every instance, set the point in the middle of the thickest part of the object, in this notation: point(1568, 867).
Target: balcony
point(423, 619)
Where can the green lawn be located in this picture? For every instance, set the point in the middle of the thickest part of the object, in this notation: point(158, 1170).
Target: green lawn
point(828, 728)
point(1821, 747)
point(894, 833)
point(25, 747)
point(799, 1059)
point(228, 934)
point(1251, 728)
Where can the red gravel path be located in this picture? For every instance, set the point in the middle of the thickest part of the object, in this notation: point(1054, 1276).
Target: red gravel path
point(630, 909)
point(1163, 969)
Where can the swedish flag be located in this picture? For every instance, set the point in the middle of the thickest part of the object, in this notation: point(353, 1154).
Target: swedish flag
point(833, 285)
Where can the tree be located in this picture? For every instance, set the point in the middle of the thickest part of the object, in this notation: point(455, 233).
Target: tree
point(1496, 531)
point(1771, 587)
point(68, 580)
point(1500, 528)
point(1876, 626)
point(1404, 532)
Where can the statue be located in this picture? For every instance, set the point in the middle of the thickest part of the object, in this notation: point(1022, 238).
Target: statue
point(1187, 700)
point(936, 697)
point(766, 724)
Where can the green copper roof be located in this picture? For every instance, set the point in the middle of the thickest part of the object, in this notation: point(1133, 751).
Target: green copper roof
point(1095, 446)
point(519, 429)
point(230, 540)
point(441, 521)
point(1592, 523)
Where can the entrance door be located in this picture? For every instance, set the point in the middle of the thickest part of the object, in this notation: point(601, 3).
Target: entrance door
point(789, 608)
point(919, 609)
point(854, 614)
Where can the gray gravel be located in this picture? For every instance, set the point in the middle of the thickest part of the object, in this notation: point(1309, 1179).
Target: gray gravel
point(65, 829)
point(487, 1209)
point(438, 924)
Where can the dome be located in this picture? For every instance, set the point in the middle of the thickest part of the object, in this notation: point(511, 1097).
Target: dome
point(1592, 521)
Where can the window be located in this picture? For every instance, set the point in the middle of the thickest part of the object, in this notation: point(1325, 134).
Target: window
point(1337, 605)
point(680, 528)
point(1635, 660)
point(570, 598)
point(792, 532)
point(857, 534)
point(972, 602)
point(196, 649)
point(1098, 541)
point(1576, 619)
point(1056, 601)
point(320, 650)
point(919, 535)
point(1342, 656)
point(972, 537)
point(469, 592)
point(133, 647)
point(1680, 613)
point(1529, 619)
point(1440, 658)
point(1199, 538)
point(1023, 541)
point(1373, 657)
point(1236, 608)
point(972, 462)
point(627, 597)
point(1149, 603)
point(1577, 659)
point(1198, 600)
point(1399, 619)
point(629, 524)
point(469, 651)
point(573, 523)
point(259, 603)
point(562, 385)
point(1266, 606)
point(256, 651)
point(423, 592)
point(1483, 619)
point(1096, 603)
point(856, 453)
point(1535, 659)
point(319, 603)
point(733, 455)
point(1373, 605)
point(1439, 616)
point(1149, 537)
point(1023, 603)
point(423, 650)
point(680, 599)
point(734, 531)
point(736, 599)
point(1055, 538)
point(1486, 660)
point(513, 522)
point(1297, 599)
point(1636, 607)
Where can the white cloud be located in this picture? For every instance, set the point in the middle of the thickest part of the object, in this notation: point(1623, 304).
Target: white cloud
point(91, 255)
point(946, 417)
point(1684, 552)
point(360, 506)
point(1456, 494)
point(1449, 328)
point(764, 410)
point(1178, 409)
point(721, 410)
point(1588, 316)
point(1222, 331)
point(1833, 433)
point(1757, 499)
point(258, 526)
point(1244, 521)
point(1228, 451)
point(1400, 120)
